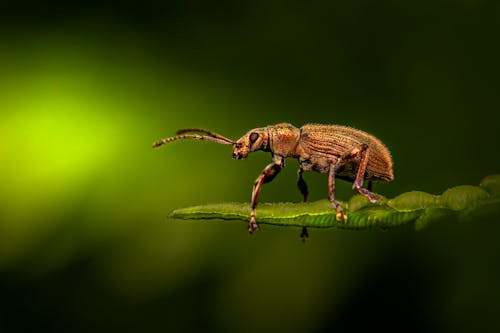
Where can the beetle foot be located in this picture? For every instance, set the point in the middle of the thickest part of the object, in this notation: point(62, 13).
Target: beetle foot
point(340, 212)
point(341, 216)
point(370, 195)
point(304, 235)
point(252, 226)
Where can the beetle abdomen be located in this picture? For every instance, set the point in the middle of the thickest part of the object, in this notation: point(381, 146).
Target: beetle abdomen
point(330, 142)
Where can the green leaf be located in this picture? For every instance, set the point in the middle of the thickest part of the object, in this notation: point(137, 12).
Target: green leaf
point(420, 208)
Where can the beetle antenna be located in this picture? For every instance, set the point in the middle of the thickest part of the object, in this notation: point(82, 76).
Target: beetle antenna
point(224, 141)
point(207, 132)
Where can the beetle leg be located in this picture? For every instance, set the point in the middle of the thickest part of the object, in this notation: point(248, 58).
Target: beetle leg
point(360, 175)
point(331, 193)
point(362, 151)
point(304, 191)
point(301, 184)
point(304, 235)
point(266, 176)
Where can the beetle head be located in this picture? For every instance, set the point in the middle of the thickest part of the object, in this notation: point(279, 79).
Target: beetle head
point(256, 139)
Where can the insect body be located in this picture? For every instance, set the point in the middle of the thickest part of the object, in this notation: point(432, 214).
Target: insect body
point(339, 151)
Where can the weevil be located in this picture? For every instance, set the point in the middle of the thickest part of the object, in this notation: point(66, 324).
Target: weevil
point(339, 151)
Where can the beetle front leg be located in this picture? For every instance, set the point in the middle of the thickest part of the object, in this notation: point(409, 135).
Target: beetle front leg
point(266, 176)
point(331, 194)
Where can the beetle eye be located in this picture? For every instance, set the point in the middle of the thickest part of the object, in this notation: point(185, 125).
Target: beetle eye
point(253, 137)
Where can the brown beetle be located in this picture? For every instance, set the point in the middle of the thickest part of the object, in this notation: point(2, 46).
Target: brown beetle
point(339, 151)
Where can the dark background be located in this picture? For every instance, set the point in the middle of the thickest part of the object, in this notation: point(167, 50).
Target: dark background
point(86, 87)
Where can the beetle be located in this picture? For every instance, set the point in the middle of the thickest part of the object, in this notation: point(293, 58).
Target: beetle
point(340, 151)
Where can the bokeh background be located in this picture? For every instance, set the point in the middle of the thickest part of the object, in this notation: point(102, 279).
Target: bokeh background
point(87, 86)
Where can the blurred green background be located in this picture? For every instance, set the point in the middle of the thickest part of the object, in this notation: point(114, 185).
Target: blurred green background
point(86, 87)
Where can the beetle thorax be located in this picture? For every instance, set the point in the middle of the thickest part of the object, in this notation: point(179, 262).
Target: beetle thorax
point(283, 139)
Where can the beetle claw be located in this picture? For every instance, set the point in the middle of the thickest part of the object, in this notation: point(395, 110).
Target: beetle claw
point(373, 198)
point(252, 226)
point(304, 235)
point(341, 216)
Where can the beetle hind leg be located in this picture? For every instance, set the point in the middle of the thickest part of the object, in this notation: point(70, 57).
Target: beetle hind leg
point(363, 152)
point(370, 195)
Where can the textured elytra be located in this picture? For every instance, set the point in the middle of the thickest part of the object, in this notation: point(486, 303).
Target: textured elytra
point(326, 141)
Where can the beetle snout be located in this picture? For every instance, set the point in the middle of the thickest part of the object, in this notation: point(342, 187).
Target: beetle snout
point(240, 153)
point(240, 150)
point(238, 156)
